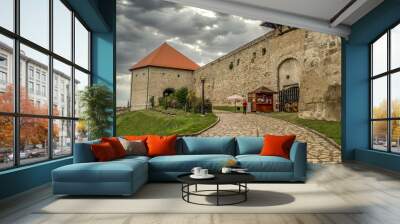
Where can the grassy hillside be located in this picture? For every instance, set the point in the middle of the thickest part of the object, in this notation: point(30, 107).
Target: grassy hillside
point(154, 122)
point(331, 129)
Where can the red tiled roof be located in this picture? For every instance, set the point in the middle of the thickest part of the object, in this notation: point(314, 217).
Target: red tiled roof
point(167, 57)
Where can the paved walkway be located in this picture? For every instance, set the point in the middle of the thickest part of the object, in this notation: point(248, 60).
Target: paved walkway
point(235, 124)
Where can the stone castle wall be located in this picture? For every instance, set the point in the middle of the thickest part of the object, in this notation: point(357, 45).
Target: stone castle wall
point(152, 81)
point(310, 59)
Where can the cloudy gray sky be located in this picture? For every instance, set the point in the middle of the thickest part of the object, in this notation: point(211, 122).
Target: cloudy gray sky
point(202, 35)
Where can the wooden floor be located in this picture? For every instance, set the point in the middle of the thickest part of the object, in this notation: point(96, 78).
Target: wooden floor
point(378, 189)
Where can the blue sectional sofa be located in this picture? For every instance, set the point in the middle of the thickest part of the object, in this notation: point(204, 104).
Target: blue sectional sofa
point(125, 176)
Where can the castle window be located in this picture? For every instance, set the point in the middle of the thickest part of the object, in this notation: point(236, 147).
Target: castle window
point(264, 51)
point(179, 75)
point(238, 61)
point(254, 56)
point(231, 65)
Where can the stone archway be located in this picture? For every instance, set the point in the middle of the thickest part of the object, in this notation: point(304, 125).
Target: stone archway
point(289, 72)
point(168, 91)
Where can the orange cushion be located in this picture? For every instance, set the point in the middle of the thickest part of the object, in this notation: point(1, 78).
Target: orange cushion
point(161, 145)
point(116, 145)
point(136, 137)
point(103, 152)
point(275, 145)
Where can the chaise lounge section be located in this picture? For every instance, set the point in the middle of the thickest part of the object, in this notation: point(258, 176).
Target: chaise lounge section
point(125, 176)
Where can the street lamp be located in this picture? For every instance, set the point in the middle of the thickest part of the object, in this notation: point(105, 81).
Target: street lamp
point(203, 80)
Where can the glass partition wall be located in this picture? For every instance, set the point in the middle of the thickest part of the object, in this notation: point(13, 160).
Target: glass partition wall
point(44, 64)
point(385, 91)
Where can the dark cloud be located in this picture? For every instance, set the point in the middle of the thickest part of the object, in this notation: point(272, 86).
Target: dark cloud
point(203, 36)
point(143, 25)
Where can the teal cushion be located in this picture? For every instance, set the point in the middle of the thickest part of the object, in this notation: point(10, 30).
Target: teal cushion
point(257, 163)
point(208, 145)
point(83, 152)
point(249, 145)
point(111, 171)
point(185, 163)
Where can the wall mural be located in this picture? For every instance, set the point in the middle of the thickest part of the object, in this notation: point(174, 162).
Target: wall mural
point(182, 77)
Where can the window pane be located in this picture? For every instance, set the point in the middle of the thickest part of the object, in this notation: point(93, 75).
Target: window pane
point(81, 82)
point(34, 97)
point(395, 138)
point(395, 94)
point(81, 131)
point(379, 135)
point(62, 138)
point(6, 142)
point(379, 97)
point(395, 47)
point(379, 55)
point(35, 21)
point(6, 74)
point(7, 14)
point(62, 89)
point(62, 29)
point(33, 139)
point(81, 45)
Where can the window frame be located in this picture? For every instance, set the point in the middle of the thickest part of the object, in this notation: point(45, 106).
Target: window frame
point(388, 74)
point(16, 114)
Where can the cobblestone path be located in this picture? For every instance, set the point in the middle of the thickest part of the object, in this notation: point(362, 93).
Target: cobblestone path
point(236, 124)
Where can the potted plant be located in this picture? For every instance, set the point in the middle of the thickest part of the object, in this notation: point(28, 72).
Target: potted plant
point(97, 104)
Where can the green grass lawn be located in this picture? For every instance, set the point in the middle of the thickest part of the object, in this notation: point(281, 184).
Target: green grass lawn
point(154, 122)
point(330, 129)
point(227, 108)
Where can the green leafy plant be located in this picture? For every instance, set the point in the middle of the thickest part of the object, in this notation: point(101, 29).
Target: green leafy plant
point(181, 96)
point(97, 104)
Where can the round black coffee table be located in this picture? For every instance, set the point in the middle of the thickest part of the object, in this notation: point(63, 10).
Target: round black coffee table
point(238, 179)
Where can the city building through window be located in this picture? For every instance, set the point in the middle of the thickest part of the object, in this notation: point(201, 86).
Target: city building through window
point(46, 99)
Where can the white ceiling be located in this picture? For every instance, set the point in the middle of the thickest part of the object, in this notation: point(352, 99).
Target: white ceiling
point(314, 15)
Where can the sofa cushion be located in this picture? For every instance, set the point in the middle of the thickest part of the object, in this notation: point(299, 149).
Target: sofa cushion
point(257, 163)
point(207, 145)
point(103, 152)
point(112, 171)
point(161, 145)
point(185, 163)
point(136, 147)
point(277, 145)
point(116, 145)
point(83, 152)
point(249, 145)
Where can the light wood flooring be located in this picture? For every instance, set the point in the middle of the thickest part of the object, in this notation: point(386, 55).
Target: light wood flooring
point(378, 189)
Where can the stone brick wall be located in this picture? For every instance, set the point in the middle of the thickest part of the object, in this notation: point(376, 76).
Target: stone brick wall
point(152, 81)
point(311, 60)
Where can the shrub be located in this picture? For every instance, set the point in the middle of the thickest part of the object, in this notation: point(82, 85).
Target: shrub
point(181, 96)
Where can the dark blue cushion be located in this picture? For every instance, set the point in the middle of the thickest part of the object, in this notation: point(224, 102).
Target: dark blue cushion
point(185, 163)
point(257, 163)
point(208, 145)
point(249, 145)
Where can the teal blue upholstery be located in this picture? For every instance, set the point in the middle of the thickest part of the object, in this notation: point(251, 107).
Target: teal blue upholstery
point(298, 155)
point(257, 163)
point(119, 177)
point(184, 164)
point(125, 176)
point(83, 152)
point(208, 145)
point(249, 145)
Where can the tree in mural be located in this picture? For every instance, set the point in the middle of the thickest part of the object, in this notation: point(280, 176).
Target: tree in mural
point(33, 131)
point(380, 128)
